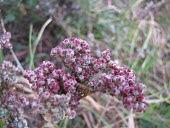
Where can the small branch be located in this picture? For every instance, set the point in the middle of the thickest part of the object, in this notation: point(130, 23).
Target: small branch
point(131, 123)
point(103, 113)
point(152, 101)
point(23, 88)
point(86, 90)
point(16, 60)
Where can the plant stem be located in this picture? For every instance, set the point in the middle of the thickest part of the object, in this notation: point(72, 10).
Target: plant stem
point(37, 41)
point(1, 56)
point(10, 49)
point(30, 47)
point(16, 60)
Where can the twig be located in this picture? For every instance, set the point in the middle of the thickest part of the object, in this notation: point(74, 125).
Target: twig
point(16, 60)
point(157, 100)
point(22, 87)
point(96, 105)
point(86, 90)
point(91, 118)
point(104, 111)
point(131, 123)
point(87, 120)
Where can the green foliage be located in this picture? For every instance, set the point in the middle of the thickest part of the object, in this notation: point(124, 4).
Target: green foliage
point(1, 123)
point(155, 116)
point(19, 9)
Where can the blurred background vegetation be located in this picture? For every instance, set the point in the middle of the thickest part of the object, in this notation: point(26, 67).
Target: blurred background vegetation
point(136, 31)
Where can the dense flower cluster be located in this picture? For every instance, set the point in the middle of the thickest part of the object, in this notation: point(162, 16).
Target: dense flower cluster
point(101, 74)
point(120, 82)
point(75, 52)
point(5, 40)
point(8, 72)
point(61, 89)
point(55, 88)
point(11, 105)
point(11, 109)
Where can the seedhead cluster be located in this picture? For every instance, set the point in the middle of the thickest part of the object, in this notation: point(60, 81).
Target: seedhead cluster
point(5, 40)
point(12, 104)
point(61, 89)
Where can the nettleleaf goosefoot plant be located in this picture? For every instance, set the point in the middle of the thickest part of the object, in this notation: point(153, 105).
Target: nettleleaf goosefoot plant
point(60, 90)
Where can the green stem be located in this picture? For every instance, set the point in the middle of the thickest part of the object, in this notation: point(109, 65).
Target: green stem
point(1, 56)
point(30, 47)
point(38, 39)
